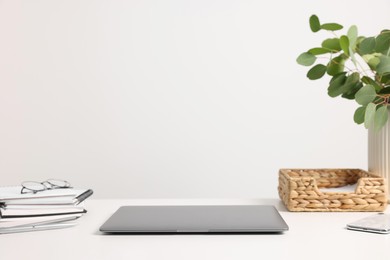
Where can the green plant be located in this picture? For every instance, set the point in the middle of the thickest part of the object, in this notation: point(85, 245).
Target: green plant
point(359, 67)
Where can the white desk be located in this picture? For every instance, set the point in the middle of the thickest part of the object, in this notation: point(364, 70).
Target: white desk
point(311, 236)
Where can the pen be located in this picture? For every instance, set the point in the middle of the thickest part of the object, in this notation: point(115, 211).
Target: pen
point(83, 196)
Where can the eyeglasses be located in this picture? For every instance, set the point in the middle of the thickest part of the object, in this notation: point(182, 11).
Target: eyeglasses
point(50, 184)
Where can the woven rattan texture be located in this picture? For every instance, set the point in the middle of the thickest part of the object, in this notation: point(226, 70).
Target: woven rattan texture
point(299, 190)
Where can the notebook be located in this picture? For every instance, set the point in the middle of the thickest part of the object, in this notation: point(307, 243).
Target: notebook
point(8, 211)
point(11, 195)
point(38, 227)
point(8, 223)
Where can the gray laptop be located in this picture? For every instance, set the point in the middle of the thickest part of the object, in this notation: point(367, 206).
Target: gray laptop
point(195, 219)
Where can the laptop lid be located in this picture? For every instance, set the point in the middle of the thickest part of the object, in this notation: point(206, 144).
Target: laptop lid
point(195, 219)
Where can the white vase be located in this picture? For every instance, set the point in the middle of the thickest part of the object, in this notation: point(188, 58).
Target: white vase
point(379, 152)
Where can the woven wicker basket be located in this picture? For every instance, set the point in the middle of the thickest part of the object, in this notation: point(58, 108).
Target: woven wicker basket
point(299, 190)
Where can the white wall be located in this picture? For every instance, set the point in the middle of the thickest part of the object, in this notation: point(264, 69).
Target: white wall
point(175, 98)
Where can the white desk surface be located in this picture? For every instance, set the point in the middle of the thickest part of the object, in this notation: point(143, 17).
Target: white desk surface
point(311, 236)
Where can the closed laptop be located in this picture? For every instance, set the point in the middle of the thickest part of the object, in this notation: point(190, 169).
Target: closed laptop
point(195, 219)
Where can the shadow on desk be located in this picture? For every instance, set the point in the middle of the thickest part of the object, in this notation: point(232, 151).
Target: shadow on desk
point(190, 233)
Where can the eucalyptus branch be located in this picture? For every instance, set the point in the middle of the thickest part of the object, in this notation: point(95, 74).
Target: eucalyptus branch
point(354, 83)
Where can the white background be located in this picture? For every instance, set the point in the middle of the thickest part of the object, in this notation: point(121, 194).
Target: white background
point(172, 99)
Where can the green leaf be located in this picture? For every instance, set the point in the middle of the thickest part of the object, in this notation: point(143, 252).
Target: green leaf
point(370, 81)
point(383, 43)
point(385, 79)
point(306, 59)
point(316, 72)
point(337, 77)
point(332, 45)
point(360, 39)
point(384, 65)
point(353, 78)
point(351, 81)
point(352, 54)
point(367, 46)
point(350, 94)
point(344, 44)
point(369, 115)
point(336, 65)
point(318, 51)
point(346, 85)
point(367, 57)
point(331, 26)
point(373, 63)
point(335, 85)
point(365, 95)
point(352, 36)
point(384, 91)
point(367, 80)
point(358, 117)
point(381, 116)
point(372, 59)
point(315, 25)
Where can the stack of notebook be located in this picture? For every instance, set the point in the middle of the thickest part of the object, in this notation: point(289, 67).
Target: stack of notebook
point(46, 209)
